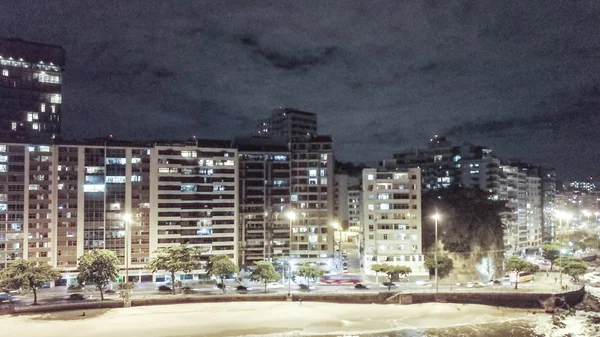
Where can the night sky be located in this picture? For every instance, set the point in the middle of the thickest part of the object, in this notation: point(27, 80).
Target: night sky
point(383, 76)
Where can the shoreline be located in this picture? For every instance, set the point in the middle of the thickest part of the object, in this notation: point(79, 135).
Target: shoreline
point(260, 318)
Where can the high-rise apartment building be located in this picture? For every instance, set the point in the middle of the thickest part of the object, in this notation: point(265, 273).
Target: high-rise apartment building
point(391, 219)
point(193, 196)
point(444, 165)
point(264, 198)
point(59, 201)
point(288, 123)
point(30, 89)
point(312, 199)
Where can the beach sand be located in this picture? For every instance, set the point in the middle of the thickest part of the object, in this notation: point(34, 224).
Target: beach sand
point(251, 318)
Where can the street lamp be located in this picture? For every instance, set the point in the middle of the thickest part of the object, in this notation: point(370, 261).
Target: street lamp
point(292, 216)
point(436, 217)
point(336, 226)
point(562, 252)
point(127, 218)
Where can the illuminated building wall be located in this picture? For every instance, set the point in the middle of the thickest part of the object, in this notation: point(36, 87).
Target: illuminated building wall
point(391, 219)
point(30, 89)
point(194, 198)
point(264, 194)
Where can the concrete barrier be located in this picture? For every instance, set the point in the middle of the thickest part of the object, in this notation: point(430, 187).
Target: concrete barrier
point(512, 300)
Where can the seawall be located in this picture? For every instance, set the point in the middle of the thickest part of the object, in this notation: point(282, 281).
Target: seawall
point(510, 300)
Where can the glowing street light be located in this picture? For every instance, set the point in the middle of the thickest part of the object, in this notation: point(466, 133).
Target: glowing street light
point(436, 217)
point(291, 215)
point(127, 218)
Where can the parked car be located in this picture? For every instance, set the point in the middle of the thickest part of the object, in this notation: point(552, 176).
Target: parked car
point(494, 282)
point(164, 288)
point(360, 286)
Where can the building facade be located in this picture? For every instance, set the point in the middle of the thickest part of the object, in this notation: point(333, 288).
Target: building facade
point(391, 219)
point(264, 197)
point(59, 201)
point(288, 123)
point(30, 89)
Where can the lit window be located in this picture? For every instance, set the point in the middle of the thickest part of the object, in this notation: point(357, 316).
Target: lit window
point(33, 187)
point(384, 206)
point(43, 107)
point(13, 126)
point(93, 188)
point(3, 159)
point(371, 207)
point(44, 149)
point(136, 178)
point(2, 148)
point(53, 108)
point(3, 168)
point(370, 177)
point(4, 72)
point(55, 98)
point(30, 117)
point(312, 173)
point(136, 160)
point(115, 179)
point(189, 154)
point(35, 126)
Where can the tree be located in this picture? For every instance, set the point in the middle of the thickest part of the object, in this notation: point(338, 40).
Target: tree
point(309, 272)
point(378, 268)
point(574, 268)
point(27, 275)
point(470, 219)
point(391, 271)
point(580, 240)
point(178, 258)
point(518, 265)
point(445, 266)
point(99, 267)
point(551, 252)
point(219, 266)
point(264, 272)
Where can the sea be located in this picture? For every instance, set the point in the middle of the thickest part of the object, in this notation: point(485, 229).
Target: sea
point(578, 325)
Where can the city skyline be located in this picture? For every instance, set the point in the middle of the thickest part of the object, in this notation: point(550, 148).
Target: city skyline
point(517, 77)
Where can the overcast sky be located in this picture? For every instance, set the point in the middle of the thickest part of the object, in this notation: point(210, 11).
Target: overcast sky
point(383, 76)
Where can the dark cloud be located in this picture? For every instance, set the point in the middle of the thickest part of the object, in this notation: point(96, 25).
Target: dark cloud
point(520, 76)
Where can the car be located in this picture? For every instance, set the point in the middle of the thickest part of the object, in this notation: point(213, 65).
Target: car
point(305, 287)
point(360, 286)
point(75, 297)
point(164, 288)
point(494, 282)
point(275, 285)
point(425, 283)
point(242, 289)
point(5, 298)
point(474, 284)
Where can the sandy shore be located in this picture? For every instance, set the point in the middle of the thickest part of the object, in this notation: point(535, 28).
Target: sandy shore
point(247, 318)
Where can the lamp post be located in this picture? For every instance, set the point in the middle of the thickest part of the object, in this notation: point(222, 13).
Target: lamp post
point(292, 216)
point(562, 251)
point(336, 226)
point(127, 218)
point(436, 217)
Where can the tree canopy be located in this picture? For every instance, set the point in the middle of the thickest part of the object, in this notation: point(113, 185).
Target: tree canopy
point(574, 268)
point(310, 272)
point(518, 265)
point(264, 272)
point(445, 265)
point(390, 271)
point(580, 239)
point(220, 266)
point(469, 218)
point(99, 267)
point(551, 252)
point(27, 275)
point(178, 258)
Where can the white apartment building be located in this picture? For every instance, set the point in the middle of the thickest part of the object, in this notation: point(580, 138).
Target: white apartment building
point(391, 219)
point(58, 201)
